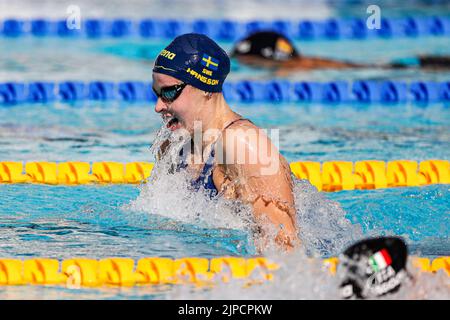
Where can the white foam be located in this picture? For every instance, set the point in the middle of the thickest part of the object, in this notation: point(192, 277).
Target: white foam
point(300, 278)
point(297, 278)
point(324, 229)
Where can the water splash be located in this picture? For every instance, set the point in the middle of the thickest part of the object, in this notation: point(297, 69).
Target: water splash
point(297, 278)
point(323, 227)
point(171, 197)
point(300, 277)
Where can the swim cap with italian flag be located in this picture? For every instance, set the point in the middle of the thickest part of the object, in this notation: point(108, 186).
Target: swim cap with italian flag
point(373, 267)
point(196, 60)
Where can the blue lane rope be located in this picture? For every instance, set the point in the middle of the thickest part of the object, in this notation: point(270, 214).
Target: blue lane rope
point(361, 91)
point(230, 30)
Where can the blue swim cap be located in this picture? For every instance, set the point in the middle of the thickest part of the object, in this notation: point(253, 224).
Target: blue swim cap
point(196, 60)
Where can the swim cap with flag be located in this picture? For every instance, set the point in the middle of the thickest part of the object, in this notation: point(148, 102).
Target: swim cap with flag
point(373, 267)
point(196, 60)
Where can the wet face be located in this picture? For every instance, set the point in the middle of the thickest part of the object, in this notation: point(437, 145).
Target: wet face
point(184, 110)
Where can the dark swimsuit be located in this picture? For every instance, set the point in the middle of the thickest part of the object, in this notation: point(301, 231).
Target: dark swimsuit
point(205, 179)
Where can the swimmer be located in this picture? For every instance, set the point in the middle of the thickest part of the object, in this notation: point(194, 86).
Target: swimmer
point(270, 49)
point(187, 78)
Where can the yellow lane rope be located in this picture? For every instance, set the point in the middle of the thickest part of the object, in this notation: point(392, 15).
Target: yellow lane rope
point(326, 176)
point(153, 271)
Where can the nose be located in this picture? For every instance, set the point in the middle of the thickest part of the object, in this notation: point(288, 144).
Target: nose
point(160, 106)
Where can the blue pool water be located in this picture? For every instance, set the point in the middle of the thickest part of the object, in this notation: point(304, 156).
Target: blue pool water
point(91, 221)
point(57, 59)
point(63, 222)
point(131, 221)
point(121, 132)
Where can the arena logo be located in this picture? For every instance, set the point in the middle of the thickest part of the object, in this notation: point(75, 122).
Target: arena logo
point(249, 146)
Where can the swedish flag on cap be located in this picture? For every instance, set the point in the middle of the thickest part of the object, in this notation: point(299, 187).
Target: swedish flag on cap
point(196, 60)
point(210, 62)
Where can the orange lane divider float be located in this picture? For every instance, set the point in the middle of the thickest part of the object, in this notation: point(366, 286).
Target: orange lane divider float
point(83, 272)
point(326, 176)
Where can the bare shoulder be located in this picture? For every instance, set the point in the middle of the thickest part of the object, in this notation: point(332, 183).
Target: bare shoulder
point(247, 146)
point(244, 134)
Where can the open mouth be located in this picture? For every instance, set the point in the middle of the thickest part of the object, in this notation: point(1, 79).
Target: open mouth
point(172, 123)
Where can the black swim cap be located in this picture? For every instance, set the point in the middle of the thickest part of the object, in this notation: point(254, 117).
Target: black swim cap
point(373, 267)
point(266, 44)
point(196, 60)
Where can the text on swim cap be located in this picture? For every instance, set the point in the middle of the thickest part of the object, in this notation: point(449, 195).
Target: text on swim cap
point(208, 72)
point(167, 54)
point(206, 80)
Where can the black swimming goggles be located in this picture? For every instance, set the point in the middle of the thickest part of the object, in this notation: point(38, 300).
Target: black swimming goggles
point(170, 94)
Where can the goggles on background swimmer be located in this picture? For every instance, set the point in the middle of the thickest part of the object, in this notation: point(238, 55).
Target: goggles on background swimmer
point(170, 94)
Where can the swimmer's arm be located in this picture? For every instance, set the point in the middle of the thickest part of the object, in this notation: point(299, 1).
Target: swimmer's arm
point(270, 194)
point(426, 61)
point(266, 210)
point(309, 63)
point(299, 63)
point(273, 218)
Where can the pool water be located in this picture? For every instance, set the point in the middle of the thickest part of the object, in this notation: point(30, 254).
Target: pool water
point(58, 59)
point(124, 132)
point(91, 221)
point(133, 221)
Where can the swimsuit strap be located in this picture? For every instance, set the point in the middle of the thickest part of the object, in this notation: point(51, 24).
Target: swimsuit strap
point(224, 128)
point(234, 121)
point(209, 162)
point(205, 177)
point(210, 159)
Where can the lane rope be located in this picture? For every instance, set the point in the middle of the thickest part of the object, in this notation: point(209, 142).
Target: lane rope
point(85, 272)
point(326, 176)
point(229, 30)
point(273, 91)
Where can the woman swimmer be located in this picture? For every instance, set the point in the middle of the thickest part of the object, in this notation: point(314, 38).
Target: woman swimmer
point(271, 49)
point(241, 161)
